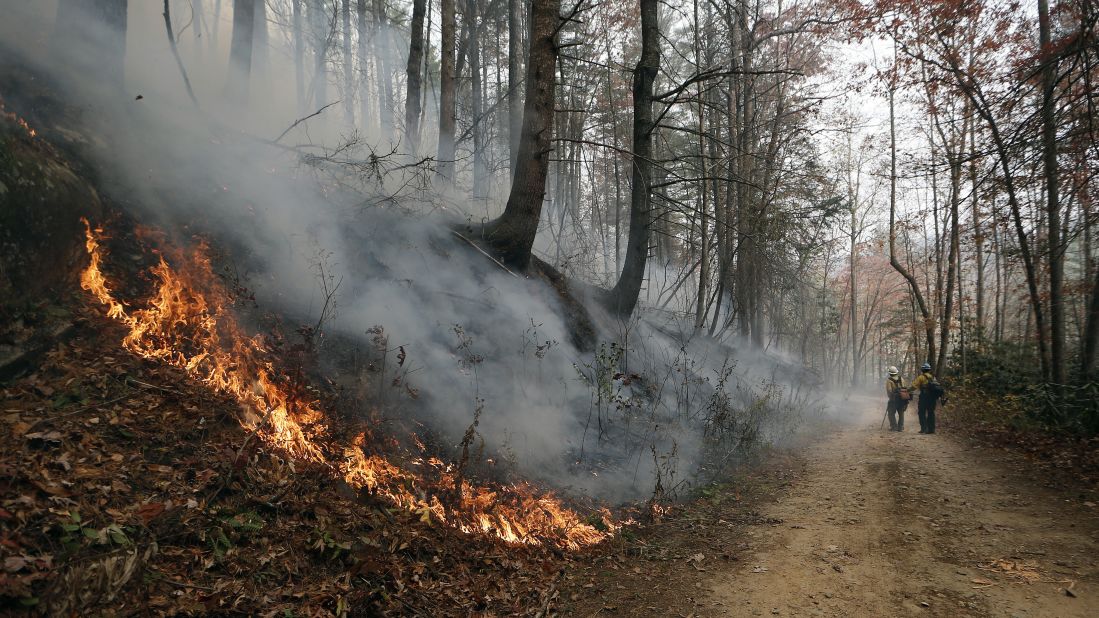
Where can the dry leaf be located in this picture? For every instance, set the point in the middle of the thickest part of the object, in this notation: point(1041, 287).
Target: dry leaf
point(150, 511)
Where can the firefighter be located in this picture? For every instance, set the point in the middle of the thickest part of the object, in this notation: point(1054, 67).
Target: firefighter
point(897, 400)
point(930, 393)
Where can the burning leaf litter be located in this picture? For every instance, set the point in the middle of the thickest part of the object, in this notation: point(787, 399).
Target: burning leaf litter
point(187, 324)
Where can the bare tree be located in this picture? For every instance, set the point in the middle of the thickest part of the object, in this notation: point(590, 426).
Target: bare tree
point(447, 92)
point(240, 52)
point(512, 234)
point(623, 298)
point(415, 60)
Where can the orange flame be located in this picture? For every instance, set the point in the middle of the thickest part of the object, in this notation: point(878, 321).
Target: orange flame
point(187, 324)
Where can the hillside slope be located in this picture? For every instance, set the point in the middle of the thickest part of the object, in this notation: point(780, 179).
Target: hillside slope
point(128, 488)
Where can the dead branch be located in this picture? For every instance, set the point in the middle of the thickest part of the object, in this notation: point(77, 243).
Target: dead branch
point(485, 253)
point(175, 52)
point(301, 120)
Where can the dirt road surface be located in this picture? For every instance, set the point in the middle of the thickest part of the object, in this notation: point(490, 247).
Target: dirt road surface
point(903, 524)
point(884, 524)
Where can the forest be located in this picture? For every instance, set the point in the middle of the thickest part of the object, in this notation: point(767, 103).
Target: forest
point(532, 307)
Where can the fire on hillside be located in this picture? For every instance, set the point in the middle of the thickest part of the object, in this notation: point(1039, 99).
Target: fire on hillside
point(188, 323)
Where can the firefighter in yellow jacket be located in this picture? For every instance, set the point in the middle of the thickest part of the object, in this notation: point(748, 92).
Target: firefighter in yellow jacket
point(897, 402)
point(930, 393)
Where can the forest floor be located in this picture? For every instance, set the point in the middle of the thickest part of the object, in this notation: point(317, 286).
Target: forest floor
point(865, 523)
point(123, 488)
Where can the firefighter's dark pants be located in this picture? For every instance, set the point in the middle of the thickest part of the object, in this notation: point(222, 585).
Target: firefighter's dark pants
point(926, 412)
point(895, 408)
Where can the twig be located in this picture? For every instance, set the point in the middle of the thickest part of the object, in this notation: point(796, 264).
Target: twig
point(130, 380)
point(301, 120)
point(79, 410)
point(184, 585)
point(175, 52)
point(485, 253)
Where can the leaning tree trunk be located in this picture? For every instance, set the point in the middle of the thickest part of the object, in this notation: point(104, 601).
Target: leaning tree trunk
point(623, 298)
point(90, 39)
point(976, 97)
point(240, 52)
point(415, 60)
point(512, 235)
point(928, 321)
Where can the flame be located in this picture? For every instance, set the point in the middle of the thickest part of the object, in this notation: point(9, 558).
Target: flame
point(187, 323)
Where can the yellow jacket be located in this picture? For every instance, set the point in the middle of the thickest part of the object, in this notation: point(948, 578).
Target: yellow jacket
point(922, 380)
point(891, 385)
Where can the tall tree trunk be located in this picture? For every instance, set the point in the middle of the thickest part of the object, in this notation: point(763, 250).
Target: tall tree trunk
point(1053, 206)
point(951, 270)
point(703, 223)
point(972, 90)
point(261, 41)
point(703, 255)
point(623, 298)
point(240, 52)
point(198, 14)
point(412, 70)
point(1091, 334)
point(512, 234)
point(319, 19)
point(217, 25)
point(299, 55)
point(978, 234)
point(479, 168)
point(383, 70)
point(364, 61)
point(854, 291)
point(515, 112)
point(999, 319)
point(447, 87)
point(348, 66)
point(90, 39)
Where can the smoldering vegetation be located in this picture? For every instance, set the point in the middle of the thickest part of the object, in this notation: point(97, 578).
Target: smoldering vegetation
point(345, 234)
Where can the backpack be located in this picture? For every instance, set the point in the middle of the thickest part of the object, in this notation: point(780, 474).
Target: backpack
point(935, 389)
point(901, 393)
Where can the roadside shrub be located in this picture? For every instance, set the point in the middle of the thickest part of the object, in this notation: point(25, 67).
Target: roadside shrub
point(1006, 376)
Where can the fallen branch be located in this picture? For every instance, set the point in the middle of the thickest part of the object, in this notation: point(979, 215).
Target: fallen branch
point(301, 120)
point(486, 254)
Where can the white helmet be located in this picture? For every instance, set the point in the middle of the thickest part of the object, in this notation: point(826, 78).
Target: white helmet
point(893, 371)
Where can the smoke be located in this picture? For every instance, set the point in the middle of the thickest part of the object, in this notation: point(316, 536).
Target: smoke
point(329, 207)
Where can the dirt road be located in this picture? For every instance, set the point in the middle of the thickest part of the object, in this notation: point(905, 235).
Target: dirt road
point(864, 523)
point(899, 524)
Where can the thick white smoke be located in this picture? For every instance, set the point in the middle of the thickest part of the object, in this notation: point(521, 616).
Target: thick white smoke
point(472, 336)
